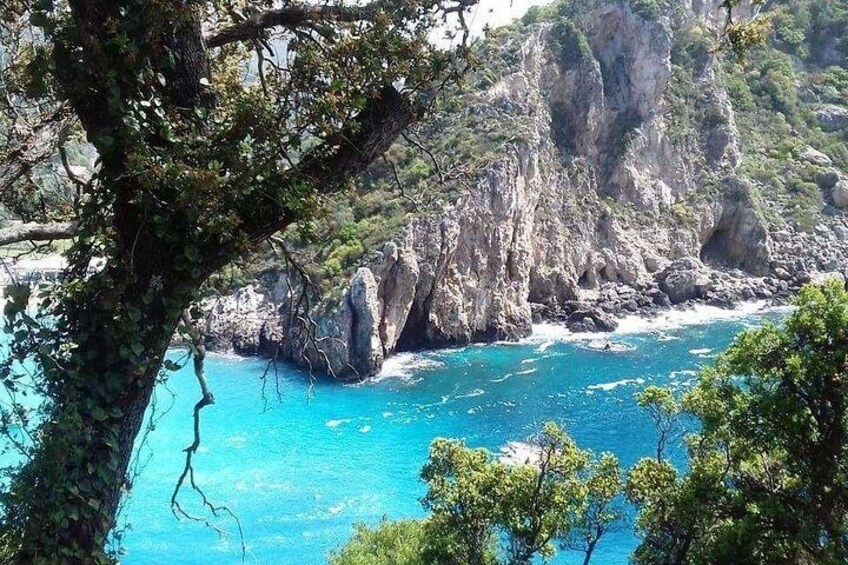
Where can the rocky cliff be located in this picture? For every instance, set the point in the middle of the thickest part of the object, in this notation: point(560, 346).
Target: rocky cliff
point(623, 189)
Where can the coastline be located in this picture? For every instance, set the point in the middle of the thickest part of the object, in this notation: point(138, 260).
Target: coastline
point(404, 365)
point(654, 321)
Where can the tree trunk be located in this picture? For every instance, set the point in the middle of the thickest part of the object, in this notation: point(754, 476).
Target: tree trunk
point(63, 504)
point(590, 549)
point(100, 364)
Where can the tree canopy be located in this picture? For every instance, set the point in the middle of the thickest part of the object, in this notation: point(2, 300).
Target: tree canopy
point(485, 511)
point(767, 469)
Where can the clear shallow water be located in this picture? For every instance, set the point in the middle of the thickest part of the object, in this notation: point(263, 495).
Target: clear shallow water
point(299, 471)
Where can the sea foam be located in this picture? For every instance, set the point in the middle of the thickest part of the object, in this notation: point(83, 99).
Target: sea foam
point(547, 333)
point(606, 387)
point(405, 366)
point(519, 453)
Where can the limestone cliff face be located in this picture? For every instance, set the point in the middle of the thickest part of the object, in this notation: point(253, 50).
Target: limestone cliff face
point(587, 211)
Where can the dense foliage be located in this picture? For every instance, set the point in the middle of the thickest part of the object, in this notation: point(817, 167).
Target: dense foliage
point(767, 479)
point(776, 93)
point(487, 511)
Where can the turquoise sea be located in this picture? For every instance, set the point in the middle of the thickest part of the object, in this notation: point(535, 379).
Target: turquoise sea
point(299, 461)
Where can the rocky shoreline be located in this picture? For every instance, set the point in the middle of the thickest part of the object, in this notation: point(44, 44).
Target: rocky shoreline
point(798, 258)
point(248, 322)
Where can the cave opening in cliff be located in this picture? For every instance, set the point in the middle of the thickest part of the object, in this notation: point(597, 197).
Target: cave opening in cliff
point(714, 250)
point(413, 335)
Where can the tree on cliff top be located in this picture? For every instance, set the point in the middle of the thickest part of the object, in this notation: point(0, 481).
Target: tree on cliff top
point(217, 123)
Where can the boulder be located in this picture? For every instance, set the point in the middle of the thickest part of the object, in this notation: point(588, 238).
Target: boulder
point(828, 179)
point(588, 319)
point(815, 157)
point(832, 117)
point(684, 280)
point(840, 194)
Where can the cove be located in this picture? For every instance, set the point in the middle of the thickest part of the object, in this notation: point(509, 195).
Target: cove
point(312, 457)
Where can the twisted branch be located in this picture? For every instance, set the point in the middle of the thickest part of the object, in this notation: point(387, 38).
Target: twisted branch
point(198, 352)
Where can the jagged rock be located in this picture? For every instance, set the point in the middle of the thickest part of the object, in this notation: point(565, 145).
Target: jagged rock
point(659, 298)
point(782, 274)
point(822, 278)
point(594, 210)
point(540, 312)
point(781, 236)
point(832, 117)
point(684, 280)
point(365, 347)
point(590, 320)
point(243, 322)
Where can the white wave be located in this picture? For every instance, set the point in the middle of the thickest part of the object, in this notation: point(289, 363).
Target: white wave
point(683, 373)
point(473, 393)
point(529, 361)
point(695, 315)
point(526, 372)
point(405, 366)
point(503, 378)
point(666, 337)
point(547, 334)
point(337, 423)
point(609, 346)
point(364, 429)
point(702, 351)
point(606, 387)
point(228, 356)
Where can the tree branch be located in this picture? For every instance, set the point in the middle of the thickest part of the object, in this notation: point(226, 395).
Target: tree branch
point(36, 147)
point(37, 232)
point(293, 17)
point(313, 16)
point(344, 156)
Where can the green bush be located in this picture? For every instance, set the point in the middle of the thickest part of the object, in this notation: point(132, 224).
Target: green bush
point(486, 512)
point(390, 543)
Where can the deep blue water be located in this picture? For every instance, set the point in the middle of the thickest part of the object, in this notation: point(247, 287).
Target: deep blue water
point(300, 469)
